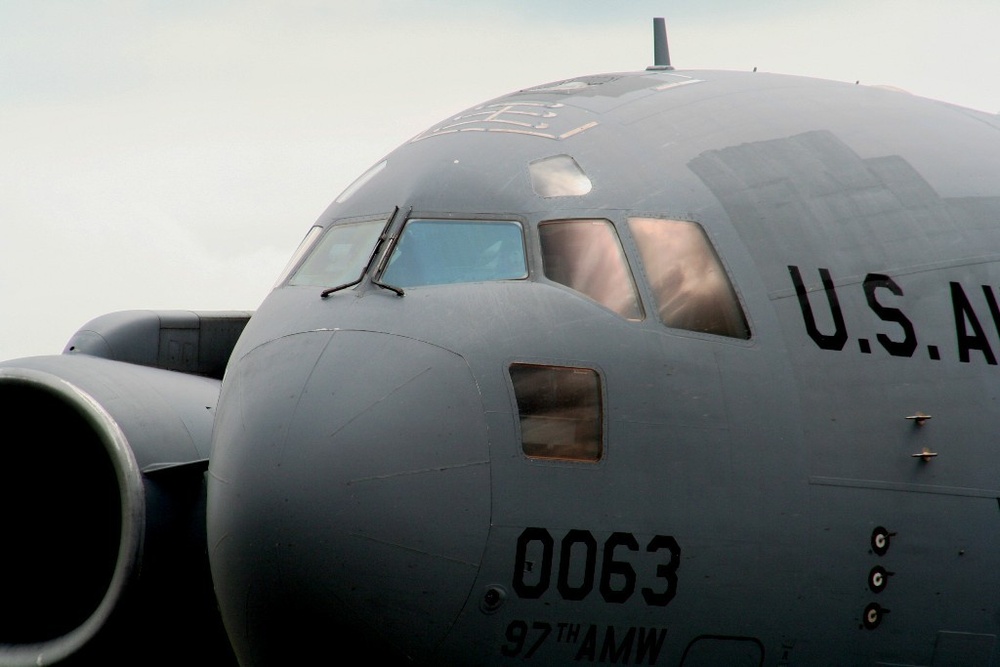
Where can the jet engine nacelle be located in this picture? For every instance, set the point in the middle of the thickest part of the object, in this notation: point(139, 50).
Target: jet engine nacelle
point(102, 501)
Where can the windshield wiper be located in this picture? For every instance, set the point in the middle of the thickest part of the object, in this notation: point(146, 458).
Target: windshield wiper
point(385, 258)
point(368, 265)
point(330, 290)
point(391, 288)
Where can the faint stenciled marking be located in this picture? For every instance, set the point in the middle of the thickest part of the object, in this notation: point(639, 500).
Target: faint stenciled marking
point(865, 346)
point(784, 657)
point(933, 352)
point(536, 119)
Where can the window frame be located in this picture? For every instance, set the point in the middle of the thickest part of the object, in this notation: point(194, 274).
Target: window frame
point(397, 235)
point(313, 239)
point(646, 286)
point(602, 411)
point(627, 261)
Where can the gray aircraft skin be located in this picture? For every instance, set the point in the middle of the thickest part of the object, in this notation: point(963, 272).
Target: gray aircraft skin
point(652, 368)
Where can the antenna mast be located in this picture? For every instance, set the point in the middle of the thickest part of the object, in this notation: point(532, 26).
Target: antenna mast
point(661, 52)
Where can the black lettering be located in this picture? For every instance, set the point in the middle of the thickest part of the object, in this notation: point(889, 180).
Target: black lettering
point(650, 643)
point(667, 571)
point(545, 630)
point(616, 651)
point(583, 537)
point(588, 649)
point(964, 314)
point(838, 338)
point(623, 569)
point(533, 568)
point(991, 300)
point(905, 347)
point(516, 632)
point(523, 589)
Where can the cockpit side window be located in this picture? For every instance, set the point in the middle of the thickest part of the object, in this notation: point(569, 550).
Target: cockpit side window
point(587, 256)
point(340, 255)
point(560, 410)
point(440, 252)
point(304, 248)
point(691, 287)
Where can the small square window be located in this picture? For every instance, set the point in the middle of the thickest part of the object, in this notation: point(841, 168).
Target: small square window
point(560, 411)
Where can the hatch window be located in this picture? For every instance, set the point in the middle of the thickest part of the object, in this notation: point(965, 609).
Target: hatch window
point(587, 256)
point(558, 176)
point(691, 287)
point(439, 252)
point(341, 254)
point(560, 412)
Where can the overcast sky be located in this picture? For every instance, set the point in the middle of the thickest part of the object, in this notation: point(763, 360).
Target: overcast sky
point(170, 154)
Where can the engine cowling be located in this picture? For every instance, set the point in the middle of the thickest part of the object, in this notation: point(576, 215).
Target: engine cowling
point(102, 499)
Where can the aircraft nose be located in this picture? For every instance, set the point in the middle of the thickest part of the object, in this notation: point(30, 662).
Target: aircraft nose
point(349, 494)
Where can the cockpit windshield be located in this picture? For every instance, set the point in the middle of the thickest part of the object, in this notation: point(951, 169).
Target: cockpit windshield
point(439, 252)
point(340, 256)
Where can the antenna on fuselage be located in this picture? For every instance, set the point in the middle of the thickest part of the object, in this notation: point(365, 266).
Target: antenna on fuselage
point(661, 52)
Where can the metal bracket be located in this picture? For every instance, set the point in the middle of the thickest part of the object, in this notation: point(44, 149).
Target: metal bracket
point(919, 418)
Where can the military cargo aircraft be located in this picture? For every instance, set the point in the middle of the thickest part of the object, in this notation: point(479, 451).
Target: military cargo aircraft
point(651, 368)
